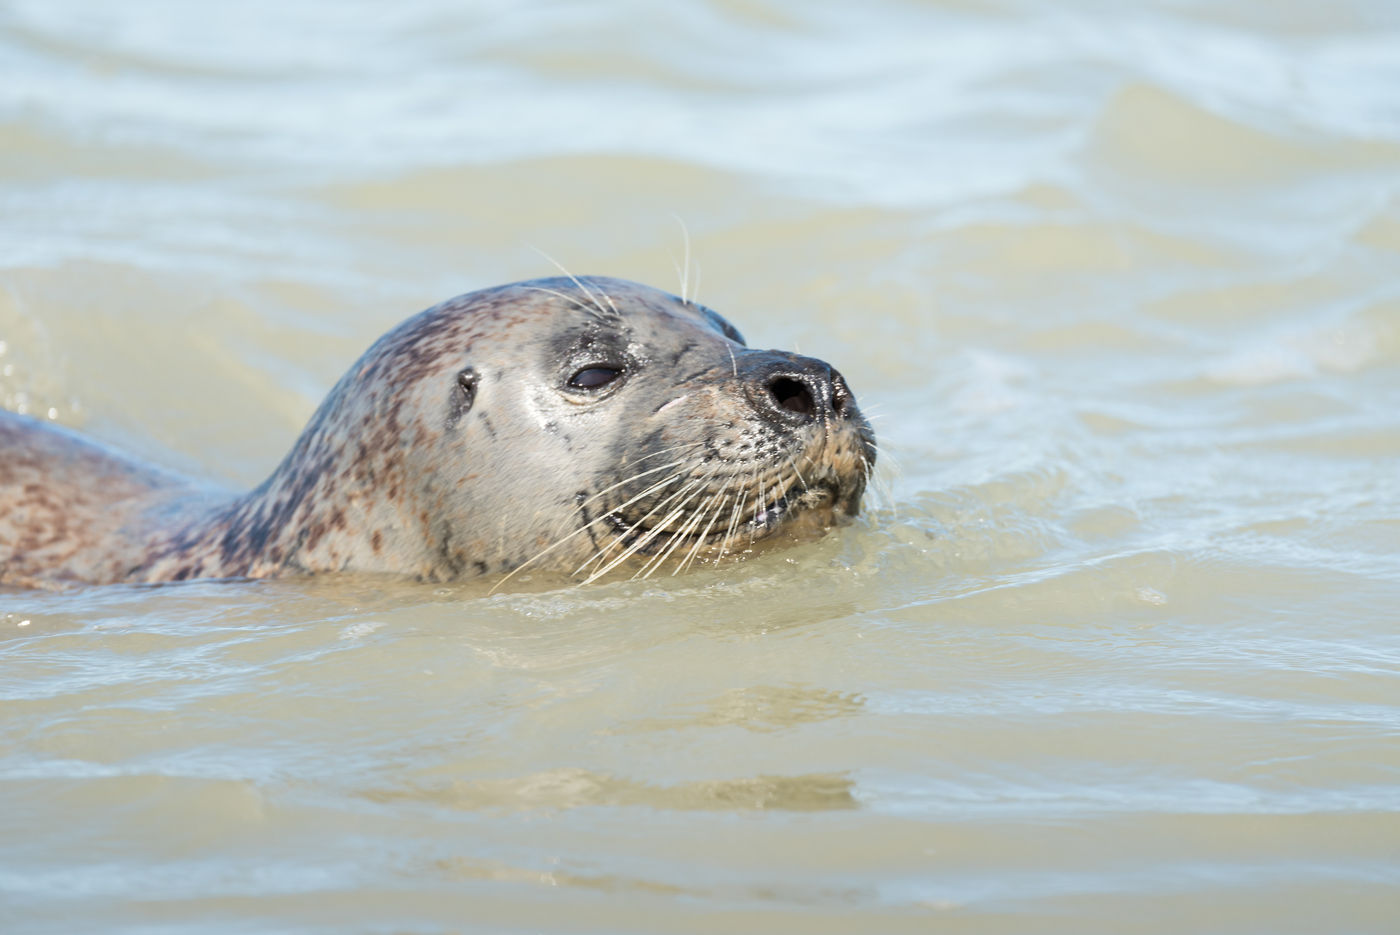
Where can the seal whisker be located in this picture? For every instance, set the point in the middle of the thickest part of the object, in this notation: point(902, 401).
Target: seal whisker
point(637, 542)
point(685, 281)
point(734, 517)
point(694, 481)
point(884, 491)
point(586, 526)
point(718, 502)
point(567, 298)
point(762, 501)
point(634, 547)
point(688, 531)
point(662, 451)
point(679, 275)
point(655, 561)
point(684, 495)
point(642, 541)
point(712, 503)
point(607, 298)
point(881, 483)
point(792, 462)
point(684, 276)
point(679, 536)
point(638, 475)
point(584, 289)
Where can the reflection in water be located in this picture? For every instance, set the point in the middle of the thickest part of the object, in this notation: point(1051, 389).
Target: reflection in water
point(764, 708)
point(1113, 648)
point(577, 788)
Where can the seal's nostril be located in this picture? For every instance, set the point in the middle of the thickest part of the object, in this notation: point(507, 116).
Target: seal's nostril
point(840, 393)
point(793, 395)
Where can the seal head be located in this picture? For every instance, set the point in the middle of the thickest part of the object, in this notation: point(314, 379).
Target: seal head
point(577, 425)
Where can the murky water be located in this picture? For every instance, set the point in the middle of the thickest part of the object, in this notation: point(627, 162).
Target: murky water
point(1114, 651)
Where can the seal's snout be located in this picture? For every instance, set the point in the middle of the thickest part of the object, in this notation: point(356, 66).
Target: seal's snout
point(793, 390)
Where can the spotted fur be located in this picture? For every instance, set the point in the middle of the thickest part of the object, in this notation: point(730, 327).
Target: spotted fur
point(454, 447)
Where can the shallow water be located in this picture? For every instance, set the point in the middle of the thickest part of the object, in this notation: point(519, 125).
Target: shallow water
point(1114, 649)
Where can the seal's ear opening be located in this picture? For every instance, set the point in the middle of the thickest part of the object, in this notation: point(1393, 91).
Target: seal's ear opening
point(462, 396)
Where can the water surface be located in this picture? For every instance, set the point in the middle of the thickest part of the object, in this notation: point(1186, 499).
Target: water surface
point(1113, 650)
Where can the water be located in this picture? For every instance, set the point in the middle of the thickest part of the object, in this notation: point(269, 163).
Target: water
point(1114, 649)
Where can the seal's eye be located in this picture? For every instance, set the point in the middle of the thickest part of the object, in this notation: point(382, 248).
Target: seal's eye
point(591, 378)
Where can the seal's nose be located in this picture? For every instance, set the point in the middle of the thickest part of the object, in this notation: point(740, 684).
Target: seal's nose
point(793, 395)
point(796, 390)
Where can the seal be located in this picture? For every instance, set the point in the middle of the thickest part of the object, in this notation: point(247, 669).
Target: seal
point(578, 425)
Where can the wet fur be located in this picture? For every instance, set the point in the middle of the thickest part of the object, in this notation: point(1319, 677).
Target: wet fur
point(449, 450)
